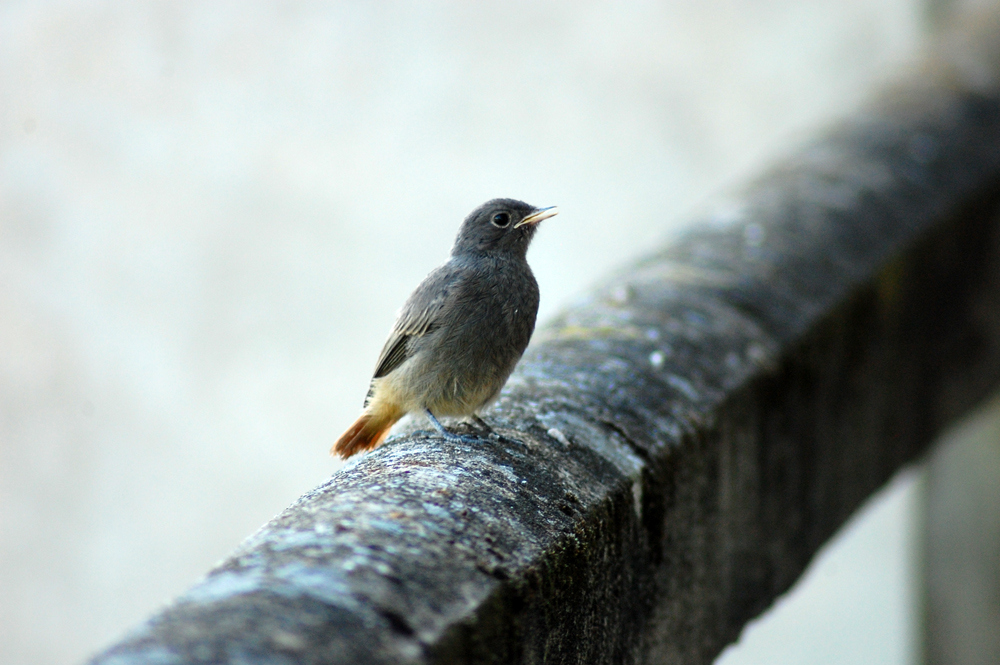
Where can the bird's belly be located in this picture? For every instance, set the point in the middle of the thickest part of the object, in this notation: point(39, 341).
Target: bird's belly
point(456, 387)
point(450, 377)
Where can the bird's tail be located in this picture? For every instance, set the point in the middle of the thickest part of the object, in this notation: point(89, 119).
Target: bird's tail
point(367, 432)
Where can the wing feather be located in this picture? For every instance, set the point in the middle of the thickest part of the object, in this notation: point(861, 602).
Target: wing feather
point(418, 317)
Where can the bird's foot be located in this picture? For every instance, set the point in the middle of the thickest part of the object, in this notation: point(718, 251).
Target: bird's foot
point(488, 432)
point(449, 435)
point(485, 427)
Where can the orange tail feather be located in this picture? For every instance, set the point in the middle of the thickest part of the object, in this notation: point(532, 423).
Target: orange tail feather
point(367, 432)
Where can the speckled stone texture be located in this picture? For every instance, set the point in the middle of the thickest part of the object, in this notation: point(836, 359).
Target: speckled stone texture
point(674, 448)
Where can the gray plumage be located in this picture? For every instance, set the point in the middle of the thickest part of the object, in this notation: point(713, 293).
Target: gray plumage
point(462, 331)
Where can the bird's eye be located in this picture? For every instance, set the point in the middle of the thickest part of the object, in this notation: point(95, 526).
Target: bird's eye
point(501, 219)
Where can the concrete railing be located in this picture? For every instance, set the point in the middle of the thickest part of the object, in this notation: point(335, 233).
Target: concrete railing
point(677, 447)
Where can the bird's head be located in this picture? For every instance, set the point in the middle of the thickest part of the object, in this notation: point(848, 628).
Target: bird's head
point(500, 225)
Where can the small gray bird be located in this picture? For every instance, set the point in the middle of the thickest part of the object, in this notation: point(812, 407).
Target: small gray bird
point(459, 335)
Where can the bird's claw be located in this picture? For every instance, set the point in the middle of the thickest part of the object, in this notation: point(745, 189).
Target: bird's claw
point(485, 431)
point(448, 434)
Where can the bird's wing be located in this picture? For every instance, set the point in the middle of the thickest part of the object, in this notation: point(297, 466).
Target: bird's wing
point(418, 317)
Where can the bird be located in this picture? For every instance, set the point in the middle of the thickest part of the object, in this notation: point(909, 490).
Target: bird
point(459, 335)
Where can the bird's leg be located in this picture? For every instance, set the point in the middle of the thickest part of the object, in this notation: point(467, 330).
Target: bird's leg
point(449, 436)
point(483, 425)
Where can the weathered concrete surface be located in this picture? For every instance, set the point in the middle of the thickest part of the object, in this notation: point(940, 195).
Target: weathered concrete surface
point(676, 446)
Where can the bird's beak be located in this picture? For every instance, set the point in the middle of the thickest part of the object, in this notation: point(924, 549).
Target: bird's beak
point(538, 215)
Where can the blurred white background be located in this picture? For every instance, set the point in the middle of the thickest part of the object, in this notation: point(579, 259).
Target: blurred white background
point(210, 212)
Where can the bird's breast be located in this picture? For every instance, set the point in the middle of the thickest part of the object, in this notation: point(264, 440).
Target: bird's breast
point(485, 328)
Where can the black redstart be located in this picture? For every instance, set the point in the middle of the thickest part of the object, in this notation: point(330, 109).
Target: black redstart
point(459, 335)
